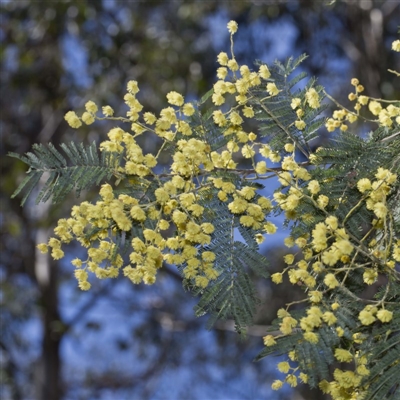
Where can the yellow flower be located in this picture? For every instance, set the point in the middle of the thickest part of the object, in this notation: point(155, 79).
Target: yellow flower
point(384, 315)
point(132, 87)
point(270, 228)
point(269, 340)
point(233, 65)
point(384, 118)
point(311, 337)
point(235, 118)
point(272, 89)
point(277, 384)
point(57, 254)
point(289, 258)
point(300, 124)
point(363, 185)
point(362, 370)
point(188, 109)
point(380, 210)
point(175, 98)
point(108, 111)
point(332, 222)
point(339, 331)
point(322, 201)
point(312, 98)
point(330, 257)
point(344, 246)
point(277, 278)
point(248, 112)
point(343, 355)
point(91, 107)
point(72, 119)
point(331, 281)
point(284, 367)
point(289, 147)
point(252, 136)
point(295, 103)
point(396, 45)
point(84, 285)
point(42, 247)
point(370, 276)
point(375, 107)
point(315, 296)
point(222, 58)
point(137, 213)
point(363, 100)
point(335, 306)
point(329, 318)
point(87, 118)
point(303, 377)
point(313, 187)
point(264, 72)
point(261, 167)
point(366, 317)
point(232, 27)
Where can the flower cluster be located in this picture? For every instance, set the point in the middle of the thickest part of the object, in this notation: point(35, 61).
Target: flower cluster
point(164, 217)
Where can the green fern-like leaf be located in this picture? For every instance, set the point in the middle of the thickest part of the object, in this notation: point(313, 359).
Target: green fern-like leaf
point(86, 169)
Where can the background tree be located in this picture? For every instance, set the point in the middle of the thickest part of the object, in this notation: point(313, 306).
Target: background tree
point(52, 54)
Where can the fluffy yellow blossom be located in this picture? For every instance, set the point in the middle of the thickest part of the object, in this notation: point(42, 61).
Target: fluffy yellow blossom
point(270, 228)
point(276, 384)
point(289, 258)
point(72, 119)
point(363, 100)
point(363, 185)
point(384, 315)
point(312, 98)
point(272, 89)
point(277, 277)
point(264, 72)
point(269, 340)
point(175, 98)
point(233, 65)
point(57, 254)
point(295, 103)
point(107, 111)
point(289, 147)
point(332, 222)
point(300, 124)
point(380, 210)
point(311, 337)
point(322, 200)
point(91, 107)
point(329, 317)
point(132, 87)
point(386, 175)
point(283, 367)
point(396, 45)
point(223, 58)
point(331, 281)
point(43, 248)
point(343, 355)
point(366, 317)
point(232, 27)
point(315, 296)
point(375, 107)
point(339, 331)
point(370, 276)
point(313, 187)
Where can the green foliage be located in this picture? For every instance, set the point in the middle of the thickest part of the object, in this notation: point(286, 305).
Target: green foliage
point(86, 169)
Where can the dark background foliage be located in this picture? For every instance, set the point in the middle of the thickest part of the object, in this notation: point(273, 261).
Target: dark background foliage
point(118, 341)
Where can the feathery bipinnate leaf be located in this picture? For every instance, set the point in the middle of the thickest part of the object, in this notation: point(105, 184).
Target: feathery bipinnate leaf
point(86, 169)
